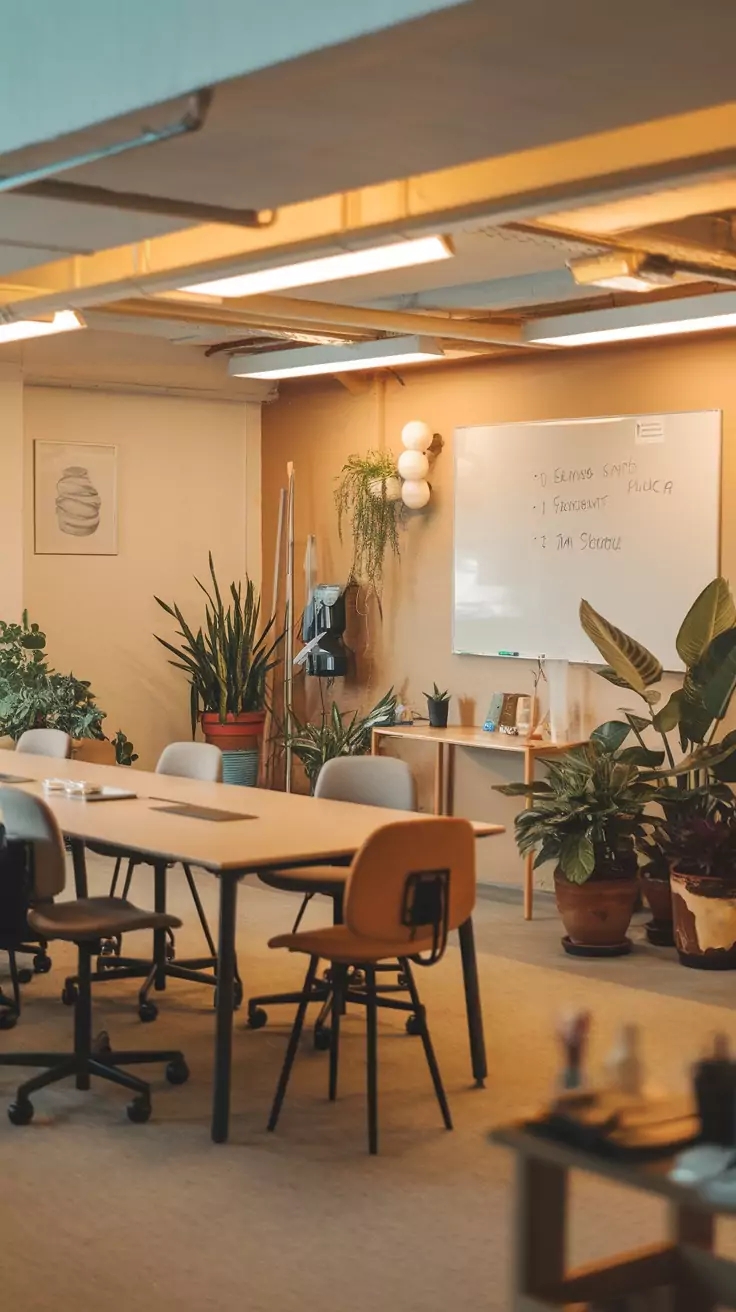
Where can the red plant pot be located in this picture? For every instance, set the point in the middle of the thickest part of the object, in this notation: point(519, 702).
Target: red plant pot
point(239, 733)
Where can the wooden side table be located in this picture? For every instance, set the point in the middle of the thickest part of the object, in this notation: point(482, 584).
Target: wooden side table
point(447, 740)
point(694, 1277)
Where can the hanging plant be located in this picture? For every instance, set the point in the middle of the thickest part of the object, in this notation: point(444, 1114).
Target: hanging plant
point(368, 493)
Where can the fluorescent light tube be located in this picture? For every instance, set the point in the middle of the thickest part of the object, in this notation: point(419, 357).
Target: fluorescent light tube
point(336, 359)
point(330, 268)
point(64, 321)
point(692, 314)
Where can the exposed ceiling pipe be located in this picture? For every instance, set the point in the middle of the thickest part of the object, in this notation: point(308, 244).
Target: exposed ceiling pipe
point(283, 311)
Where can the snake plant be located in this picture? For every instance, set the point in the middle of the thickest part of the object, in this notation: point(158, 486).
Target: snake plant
point(336, 735)
point(228, 659)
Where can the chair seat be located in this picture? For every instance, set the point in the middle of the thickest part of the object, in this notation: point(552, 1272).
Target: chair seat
point(338, 943)
point(310, 879)
point(95, 917)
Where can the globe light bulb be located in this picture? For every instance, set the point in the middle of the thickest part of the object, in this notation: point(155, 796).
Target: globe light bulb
point(416, 435)
point(413, 465)
point(415, 493)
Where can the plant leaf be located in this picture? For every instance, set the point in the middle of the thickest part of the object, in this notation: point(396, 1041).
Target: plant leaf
point(631, 661)
point(611, 734)
point(715, 674)
point(641, 756)
point(712, 613)
point(577, 858)
point(668, 717)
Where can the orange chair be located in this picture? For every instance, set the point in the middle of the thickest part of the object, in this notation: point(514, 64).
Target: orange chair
point(410, 883)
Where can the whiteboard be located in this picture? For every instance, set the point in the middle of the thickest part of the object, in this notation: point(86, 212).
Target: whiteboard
point(624, 511)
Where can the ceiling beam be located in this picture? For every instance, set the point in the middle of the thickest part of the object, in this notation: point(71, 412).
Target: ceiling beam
point(603, 166)
point(287, 312)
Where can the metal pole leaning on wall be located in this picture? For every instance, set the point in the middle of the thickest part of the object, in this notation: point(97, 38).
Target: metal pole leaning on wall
point(265, 773)
point(289, 636)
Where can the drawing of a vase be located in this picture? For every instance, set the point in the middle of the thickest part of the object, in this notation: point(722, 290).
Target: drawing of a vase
point(77, 503)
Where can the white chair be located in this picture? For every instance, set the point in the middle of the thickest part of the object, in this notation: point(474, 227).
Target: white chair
point(186, 760)
point(45, 742)
point(371, 781)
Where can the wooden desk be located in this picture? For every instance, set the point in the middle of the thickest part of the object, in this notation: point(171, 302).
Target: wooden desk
point(276, 829)
point(700, 1280)
point(445, 742)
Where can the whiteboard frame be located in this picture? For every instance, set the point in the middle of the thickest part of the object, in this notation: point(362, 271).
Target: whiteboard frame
point(556, 423)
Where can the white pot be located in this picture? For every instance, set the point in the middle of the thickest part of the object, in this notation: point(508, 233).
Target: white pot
point(392, 486)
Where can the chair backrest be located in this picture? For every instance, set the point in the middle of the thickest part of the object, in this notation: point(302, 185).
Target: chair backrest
point(382, 877)
point(28, 819)
point(45, 742)
point(372, 780)
point(191, 761)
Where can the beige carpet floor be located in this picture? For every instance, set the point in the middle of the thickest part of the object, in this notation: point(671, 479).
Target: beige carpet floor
point(97, 1212)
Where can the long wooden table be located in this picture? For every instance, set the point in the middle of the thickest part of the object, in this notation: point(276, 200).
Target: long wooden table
point(275, 830)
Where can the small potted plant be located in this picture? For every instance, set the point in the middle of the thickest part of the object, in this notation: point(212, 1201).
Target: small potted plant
point(587, 817)
point(227, 662)
point(438, 704)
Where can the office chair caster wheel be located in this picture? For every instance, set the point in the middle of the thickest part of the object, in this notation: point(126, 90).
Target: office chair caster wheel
point(69, 994)
point(147, 1011)
point(257, 1018)
point(107, 948)
point(177, 1071)
point(41, 963)
point(322, 1038)
point(25, 975)
point(139, 1110)
point(8, 1020)
point(20, 1112)
point(413, 1026)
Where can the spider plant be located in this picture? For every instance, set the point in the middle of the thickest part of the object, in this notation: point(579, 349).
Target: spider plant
point(228, 659)
point(361, 497)
point(336, 735)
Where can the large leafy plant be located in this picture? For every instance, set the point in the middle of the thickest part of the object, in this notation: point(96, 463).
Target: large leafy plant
point(587, 815)
point(227, 659)
point(336, 734)
point(35, 696)
point(361, 498)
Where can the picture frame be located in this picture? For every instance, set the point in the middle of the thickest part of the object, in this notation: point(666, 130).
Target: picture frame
point(74, 499)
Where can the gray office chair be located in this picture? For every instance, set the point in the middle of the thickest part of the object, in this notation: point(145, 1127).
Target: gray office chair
point(185, 760)
point(85, 921)
point(371, 781)
point(45, 742)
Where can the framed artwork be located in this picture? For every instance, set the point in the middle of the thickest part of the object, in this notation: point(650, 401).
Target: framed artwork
point(75, 499)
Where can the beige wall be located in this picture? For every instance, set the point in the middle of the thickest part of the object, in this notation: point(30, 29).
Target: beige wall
point(11, 492)
point(317, 425)
point(181, 492)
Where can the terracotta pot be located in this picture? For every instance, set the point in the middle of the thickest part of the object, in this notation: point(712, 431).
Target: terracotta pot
point(596, 913)
point(704, 917)
point(96, 750)
point(658, 896)
point(239, 733)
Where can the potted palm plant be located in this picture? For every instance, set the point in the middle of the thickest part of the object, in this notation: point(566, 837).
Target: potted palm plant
point(227, 662)
point(337, 734)
point(586, 817)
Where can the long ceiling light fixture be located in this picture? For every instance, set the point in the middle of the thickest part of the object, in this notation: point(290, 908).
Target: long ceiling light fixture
point(383, 354)
point(330, 268)
point(64, 321)
point(693, 314)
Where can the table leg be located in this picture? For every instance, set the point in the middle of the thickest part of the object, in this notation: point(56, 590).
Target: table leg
point(473, 1007)
point(450, 780)
point(539, 1230)
point(439, 779)
point(224, 1021)
point(691, 1227)
point(159, 935)
point(80, 867)
point(374, 742)
point(528, 860)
